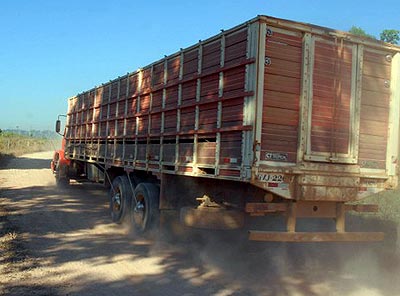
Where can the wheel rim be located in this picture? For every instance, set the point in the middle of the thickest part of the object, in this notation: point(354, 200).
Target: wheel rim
point(139, 212)
point(116, 202)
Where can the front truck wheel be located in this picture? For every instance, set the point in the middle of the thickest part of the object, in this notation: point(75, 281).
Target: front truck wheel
point(120, 198)
point(145, 207)
point(61, 174)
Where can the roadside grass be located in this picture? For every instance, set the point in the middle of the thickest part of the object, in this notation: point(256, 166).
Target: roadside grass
point(13, 145)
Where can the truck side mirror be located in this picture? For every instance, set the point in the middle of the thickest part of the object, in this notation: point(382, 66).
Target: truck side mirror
point(58, 126)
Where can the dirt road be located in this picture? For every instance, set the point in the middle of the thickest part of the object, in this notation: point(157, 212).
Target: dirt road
point(61, 242)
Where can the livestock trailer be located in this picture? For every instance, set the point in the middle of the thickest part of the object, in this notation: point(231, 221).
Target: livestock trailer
point(270, 117)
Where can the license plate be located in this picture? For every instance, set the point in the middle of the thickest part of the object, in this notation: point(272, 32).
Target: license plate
point(276, 178)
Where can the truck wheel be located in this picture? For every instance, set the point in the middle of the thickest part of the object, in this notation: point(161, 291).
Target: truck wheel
point(145, 211)
point(120, 198)
point(62, 180)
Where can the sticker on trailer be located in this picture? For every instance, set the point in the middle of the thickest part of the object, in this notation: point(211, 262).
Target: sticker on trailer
point(270, 178)
point(275, 156)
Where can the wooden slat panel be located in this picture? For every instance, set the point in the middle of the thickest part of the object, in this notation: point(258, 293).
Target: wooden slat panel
point(158, 75)
point(105, 94)
point(131, 126)
point(281, 96)
point(114, 91)
point(143, 125)
point(231, 149)
point(170, 121)
point(155, 127)
point(189, 93)
point(234, 80)
point(190, 63)
point(232, 112)
point(187, 119)
point(133, 85)
point(132, 106)
point(173, 69)
point(374, 110)
point(209, 88)
point(171, 100)
point(330, 125)
point(146, 80)
point(208, 116)
point(211, 56)
point(156, 101)
point(144, 103)
point(122, 88)
point(206, 152)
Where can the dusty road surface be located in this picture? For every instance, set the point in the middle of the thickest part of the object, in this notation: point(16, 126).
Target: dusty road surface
point(61, 242)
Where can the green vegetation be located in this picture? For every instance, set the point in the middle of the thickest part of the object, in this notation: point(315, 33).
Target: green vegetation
point(388, 35)
point(13, 144)
point(360, 32)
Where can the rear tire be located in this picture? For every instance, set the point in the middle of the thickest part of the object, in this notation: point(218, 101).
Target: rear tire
point(145, 208)
point(120, 197)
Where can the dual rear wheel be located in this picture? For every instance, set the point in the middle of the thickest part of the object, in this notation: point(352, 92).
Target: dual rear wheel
point(134, 202)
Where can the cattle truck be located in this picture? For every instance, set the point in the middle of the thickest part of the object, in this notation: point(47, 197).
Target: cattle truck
point(270, 117)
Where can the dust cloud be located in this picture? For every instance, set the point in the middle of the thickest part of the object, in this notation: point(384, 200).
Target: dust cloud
point(72, 248)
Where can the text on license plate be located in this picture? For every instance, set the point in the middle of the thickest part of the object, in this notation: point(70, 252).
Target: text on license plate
point(277, 178)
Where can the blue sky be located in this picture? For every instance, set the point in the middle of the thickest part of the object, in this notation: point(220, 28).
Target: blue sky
point(51, 50)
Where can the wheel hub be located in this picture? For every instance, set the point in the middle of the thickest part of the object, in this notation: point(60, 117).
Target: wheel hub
point(117, 201)
point(138, 213)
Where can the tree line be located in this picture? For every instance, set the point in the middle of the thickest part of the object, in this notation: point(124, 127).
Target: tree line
point(388, 35)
